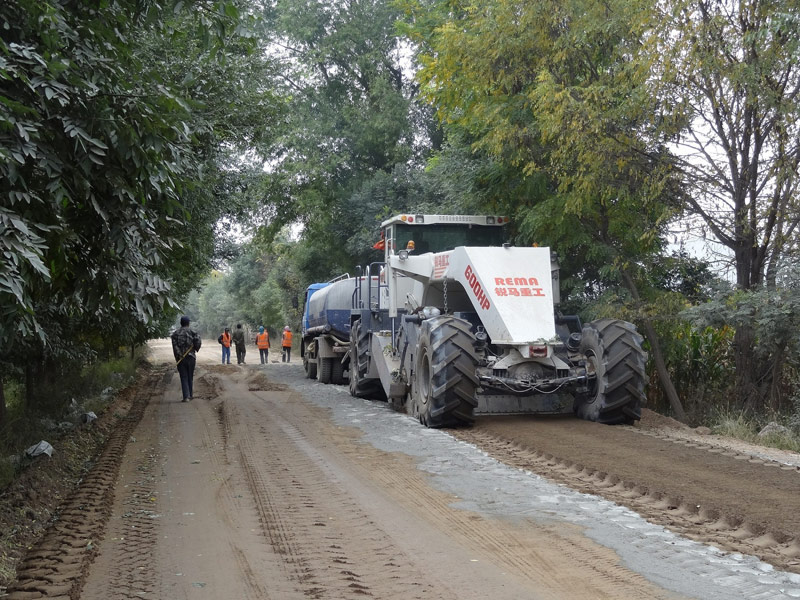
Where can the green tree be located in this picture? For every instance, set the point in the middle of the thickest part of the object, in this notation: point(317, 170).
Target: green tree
point(727, 77)
point(352, 122)
point(258, 288)
point(106, 159)
point(548, 89)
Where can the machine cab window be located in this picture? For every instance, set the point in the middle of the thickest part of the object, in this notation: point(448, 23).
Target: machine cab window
point(442, 237)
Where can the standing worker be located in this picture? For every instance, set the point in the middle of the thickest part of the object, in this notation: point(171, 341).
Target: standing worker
point(225, 340)
point(185, 343)
point(262, 341)
point(238, 339)
point(286, 342)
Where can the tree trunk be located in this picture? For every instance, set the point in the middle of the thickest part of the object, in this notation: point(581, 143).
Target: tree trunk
point(2, 406)
point(663, 374)
point(658, 356)
point(772, 387)
point(746, 389)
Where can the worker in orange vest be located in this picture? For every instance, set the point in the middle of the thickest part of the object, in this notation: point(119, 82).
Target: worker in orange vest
point(286, 342)
point(262, 341)
point(225, 340)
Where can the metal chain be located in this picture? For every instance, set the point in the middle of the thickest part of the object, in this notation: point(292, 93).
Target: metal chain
point(445, 296)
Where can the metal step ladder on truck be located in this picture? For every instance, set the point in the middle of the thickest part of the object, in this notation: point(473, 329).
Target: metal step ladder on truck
point(457, 322)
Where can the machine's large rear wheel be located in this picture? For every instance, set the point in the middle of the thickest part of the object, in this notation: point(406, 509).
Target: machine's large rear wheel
point(444, 380)
point(614, 355)
point(359, 364)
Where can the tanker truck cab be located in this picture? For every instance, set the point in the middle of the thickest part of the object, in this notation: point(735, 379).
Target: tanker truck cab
point(473, 326)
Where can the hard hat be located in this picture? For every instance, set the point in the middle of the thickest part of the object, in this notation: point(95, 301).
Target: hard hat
point(286, 328)
point(261, 329)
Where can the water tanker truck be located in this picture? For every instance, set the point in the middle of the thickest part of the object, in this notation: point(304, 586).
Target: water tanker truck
point(455, 321)
point(326, 328)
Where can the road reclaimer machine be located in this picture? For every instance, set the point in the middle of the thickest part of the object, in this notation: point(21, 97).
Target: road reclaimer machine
point(455, 321)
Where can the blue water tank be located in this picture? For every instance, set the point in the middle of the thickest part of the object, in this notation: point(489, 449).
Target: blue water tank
point(330, 304)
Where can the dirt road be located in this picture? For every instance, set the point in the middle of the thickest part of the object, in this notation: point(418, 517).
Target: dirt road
point(268, 485)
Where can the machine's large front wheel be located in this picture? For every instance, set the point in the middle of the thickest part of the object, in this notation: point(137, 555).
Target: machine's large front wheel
point(616, 362)
point(445, 382)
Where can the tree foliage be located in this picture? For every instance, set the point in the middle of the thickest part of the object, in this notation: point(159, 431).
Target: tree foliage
point(548, 89)
point(352, 122)
point(112, 142)
point(258, 288)
point(728, 86)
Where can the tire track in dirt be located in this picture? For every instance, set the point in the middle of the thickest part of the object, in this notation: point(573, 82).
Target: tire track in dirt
point(221, 459)
point(681, 513)
point(57, 565)
point(601, 577)
point(126, 556)
point(539, 556)
point(131, 540)
point(329, 545)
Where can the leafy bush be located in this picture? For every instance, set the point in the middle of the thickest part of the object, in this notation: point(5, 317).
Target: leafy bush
point(772, 316)
point(700, 360)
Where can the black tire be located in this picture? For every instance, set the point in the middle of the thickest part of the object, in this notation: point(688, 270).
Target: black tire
point(445, 381)
point(324, 369)
point(310, 367)
point(337, 371)
point(614, 354)
point(359, 365)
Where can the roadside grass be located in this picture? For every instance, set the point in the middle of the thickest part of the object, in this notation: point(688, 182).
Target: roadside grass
point(738, 426)
point(92, 388)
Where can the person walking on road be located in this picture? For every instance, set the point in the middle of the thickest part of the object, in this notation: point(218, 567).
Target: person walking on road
point(238, 340)
point(225, 340)
point(286, 343)
point(185, 344)
point(262, 341)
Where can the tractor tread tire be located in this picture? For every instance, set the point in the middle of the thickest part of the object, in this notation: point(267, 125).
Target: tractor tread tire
point(448, 343)
point(617, 397)
point(359, 364)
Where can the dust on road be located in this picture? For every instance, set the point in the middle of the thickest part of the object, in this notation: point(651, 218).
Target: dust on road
point(253, 490)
